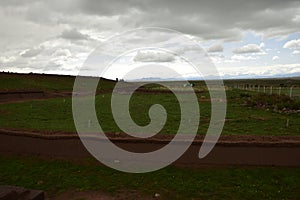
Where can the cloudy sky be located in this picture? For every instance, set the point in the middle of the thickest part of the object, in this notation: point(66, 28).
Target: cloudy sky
point(258, 38)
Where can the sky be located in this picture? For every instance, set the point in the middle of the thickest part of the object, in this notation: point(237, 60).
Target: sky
point(258, 38)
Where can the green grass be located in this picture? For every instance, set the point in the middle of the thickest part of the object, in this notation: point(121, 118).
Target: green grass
point(43, 82)
point(35, 82)
point(15, 81)
point(55, 176)
point(56, 114)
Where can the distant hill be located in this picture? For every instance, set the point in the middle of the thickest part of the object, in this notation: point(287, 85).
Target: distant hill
point(57, 83)
point(44, 82)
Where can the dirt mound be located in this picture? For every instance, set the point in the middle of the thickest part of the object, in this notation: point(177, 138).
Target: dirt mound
point(17, 193)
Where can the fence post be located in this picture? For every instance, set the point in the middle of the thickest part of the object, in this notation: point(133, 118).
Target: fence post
point(271, 89)
point(279, 91)
point(258, 87)
point(264, 89)
point(291, 91)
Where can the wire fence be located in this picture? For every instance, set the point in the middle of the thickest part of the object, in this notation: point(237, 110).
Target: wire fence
point(291, 91)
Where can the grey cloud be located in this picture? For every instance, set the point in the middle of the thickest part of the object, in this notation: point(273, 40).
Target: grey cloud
point(215, 18)
point(215, 48)
point(16, 2)
point(223, 20)
point(249, 48)
point(31, 52)
point(62, 52)
point(30, 23)
point(74, 34)
point(153, 57)
point(39, 13)
point(51, 65)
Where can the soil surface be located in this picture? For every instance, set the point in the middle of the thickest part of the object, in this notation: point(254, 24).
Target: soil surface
point(243, 140)
point(99, 195)
point(29, 95)
point(229, 151)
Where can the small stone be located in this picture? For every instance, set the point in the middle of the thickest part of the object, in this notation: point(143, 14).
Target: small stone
point(40, 182)
point(156, 195)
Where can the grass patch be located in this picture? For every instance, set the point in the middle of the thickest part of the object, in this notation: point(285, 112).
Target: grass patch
point(56, 115)
point(46, 82)
point(55, 176)
point(273, 102)
point(13, 81)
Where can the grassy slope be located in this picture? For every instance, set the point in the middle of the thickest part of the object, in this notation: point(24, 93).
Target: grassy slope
point(172, 183)
point(29, 82)
point(56, 114)
point(35, 82)
point(14, 81)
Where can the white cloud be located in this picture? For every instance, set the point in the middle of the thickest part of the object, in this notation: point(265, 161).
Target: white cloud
point(249, 48)
point(292, 44)
point(241, 57)
point(217, 58)
point(62, 52)
point(6, 59)
point(262, 45)
point(151, 56)
point(261, 71)
point(215, 48)
point(275, 58)
point(296, 52)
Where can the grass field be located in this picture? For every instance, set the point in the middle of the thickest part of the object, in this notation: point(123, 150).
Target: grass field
point(55, 176)
point(15, 81)
point(11, 81)
point(56, 114)
point(47, 83)
point(248, 112)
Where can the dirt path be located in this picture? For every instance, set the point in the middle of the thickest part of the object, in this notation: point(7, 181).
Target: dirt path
point(99, 195)
point(229, 151)
point(24, 96)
